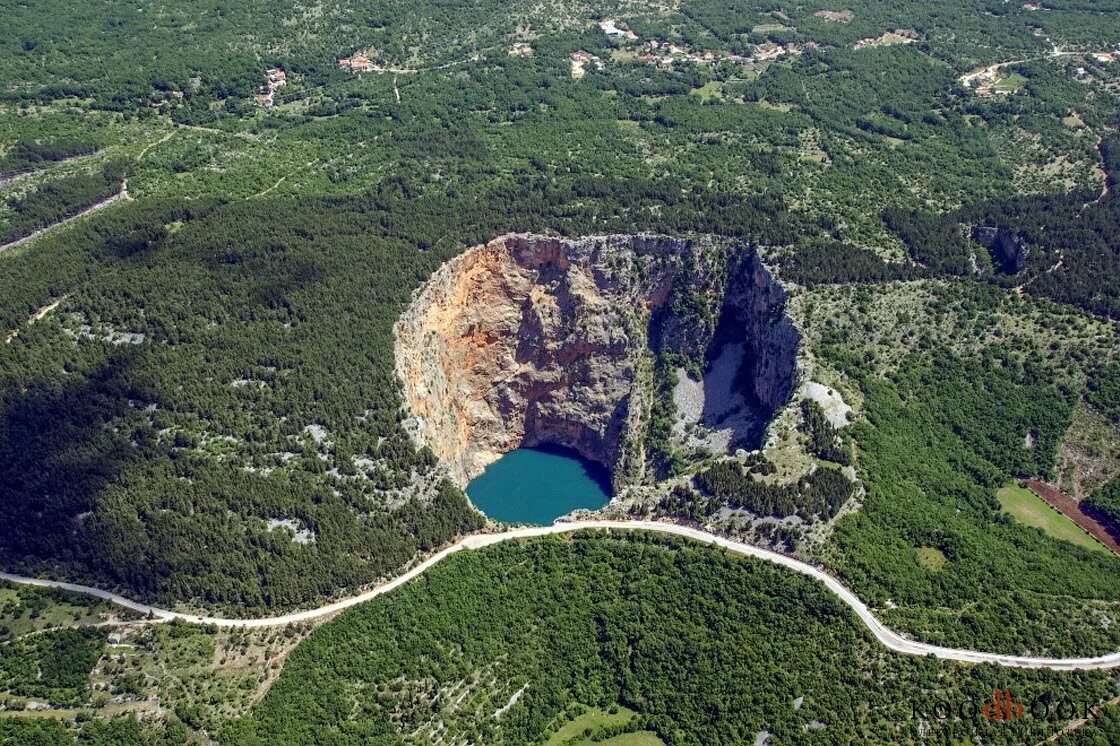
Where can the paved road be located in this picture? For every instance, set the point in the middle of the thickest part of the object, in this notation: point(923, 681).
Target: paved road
point(887, 637)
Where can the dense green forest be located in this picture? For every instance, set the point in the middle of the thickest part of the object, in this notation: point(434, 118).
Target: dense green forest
point(707, 647)
point(25, 155)
point(198, 403)
point(941, 436)
point(59, 199)
point(1105, 504)
point(819, 495)
point(824, 440)
point(54, 666)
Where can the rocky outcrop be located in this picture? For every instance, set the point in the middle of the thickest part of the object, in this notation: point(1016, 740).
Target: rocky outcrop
point(530, 340)
point(1007, 248)
point(754, 314)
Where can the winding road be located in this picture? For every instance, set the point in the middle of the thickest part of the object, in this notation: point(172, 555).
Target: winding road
point(889, 638)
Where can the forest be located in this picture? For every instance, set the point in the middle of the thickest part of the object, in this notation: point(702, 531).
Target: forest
point(198, 404)
point(818, 495)
point(824, 439)
point(941, 436)
point(1105, 504)
point(59, 199)
point(705, 646)
point(26, 155)
point(1072, 241)
point(54, 666)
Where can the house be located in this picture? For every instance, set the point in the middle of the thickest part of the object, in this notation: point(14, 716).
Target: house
point(610, 29)
point(357, 63)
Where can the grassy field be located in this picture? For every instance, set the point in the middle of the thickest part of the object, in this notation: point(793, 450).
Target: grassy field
point(713, 89)
point(1032, 510)
point(577, 732)
point(640, 738)
point(1011, 83)
point(932, 558)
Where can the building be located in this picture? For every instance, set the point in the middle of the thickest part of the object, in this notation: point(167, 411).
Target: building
point(358, 63)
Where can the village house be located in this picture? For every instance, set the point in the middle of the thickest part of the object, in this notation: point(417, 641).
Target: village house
point(358, 63)
point(610, 29)
point(275, 77)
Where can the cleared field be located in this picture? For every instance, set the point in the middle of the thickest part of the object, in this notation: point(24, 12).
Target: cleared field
point(641, 738)
point(1011, 83)
point(713, 89)
point(932, 558)
point(581, 731)
point(1032, 510)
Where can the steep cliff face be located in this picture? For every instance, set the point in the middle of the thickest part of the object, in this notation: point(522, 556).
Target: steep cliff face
point(754, 315)
point(529, 340)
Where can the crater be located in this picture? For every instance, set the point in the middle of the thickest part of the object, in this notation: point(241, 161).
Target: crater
point(529, 341)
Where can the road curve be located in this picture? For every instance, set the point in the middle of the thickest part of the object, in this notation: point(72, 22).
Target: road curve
point(889, 638)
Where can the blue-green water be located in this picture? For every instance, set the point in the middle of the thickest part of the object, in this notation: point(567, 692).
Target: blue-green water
point(538, 485)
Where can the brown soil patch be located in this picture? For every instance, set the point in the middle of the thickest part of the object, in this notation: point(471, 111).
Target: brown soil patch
point(1072, 510)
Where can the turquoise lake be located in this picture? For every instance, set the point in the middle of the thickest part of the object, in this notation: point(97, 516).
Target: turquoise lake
point(538, 485)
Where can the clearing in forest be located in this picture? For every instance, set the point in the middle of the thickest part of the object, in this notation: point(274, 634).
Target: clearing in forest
point(1032, 510)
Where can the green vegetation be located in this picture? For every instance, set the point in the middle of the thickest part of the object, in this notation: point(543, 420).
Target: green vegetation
point(1070, 240)
point(1101, 731)
point(248, 377)
point(1105, 503)
point(942, 435)
point(703, 646)
point(824, 440)
point(1010, 83)
point(219, 361)
point(25, 155)
point(267, 253)
point(1033, 511)
point(818, 495)
point(1103, 389)
point(26, 609)
point(54, 665)
point(596, 725)
point(932, 558)
point(58, 200)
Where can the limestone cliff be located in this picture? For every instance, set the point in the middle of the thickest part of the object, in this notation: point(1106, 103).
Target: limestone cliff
point(529, 340)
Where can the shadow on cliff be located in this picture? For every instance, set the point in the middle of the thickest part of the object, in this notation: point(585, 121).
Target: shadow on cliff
point(752, 359)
